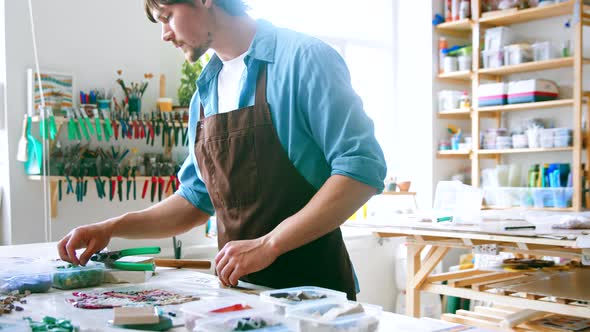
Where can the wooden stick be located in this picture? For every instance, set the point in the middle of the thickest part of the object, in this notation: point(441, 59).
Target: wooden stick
point(183, 263)
point(162, 85)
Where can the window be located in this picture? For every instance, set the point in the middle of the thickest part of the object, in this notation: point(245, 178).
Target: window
point(364, 36)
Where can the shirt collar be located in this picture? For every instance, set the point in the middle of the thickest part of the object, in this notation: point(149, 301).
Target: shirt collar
point(262, 48)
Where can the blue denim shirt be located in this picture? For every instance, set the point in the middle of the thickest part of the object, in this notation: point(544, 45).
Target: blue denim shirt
point(317, 115)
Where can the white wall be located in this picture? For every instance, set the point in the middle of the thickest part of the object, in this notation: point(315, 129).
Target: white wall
point(413, 125)
point(90, 39)
point(4, 165)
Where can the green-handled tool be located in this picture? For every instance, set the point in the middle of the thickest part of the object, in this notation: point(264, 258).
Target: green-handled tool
point(109, 258)
point(52, 124)
point(87, 121)
point(81, 123)
point(97, 124)
point(108, 126)
point(73, 129)
point(47, 124)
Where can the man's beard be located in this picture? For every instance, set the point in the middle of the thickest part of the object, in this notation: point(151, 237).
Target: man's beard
point(195, 53)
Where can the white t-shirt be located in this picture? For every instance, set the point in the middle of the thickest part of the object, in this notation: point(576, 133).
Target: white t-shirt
point(228, 83)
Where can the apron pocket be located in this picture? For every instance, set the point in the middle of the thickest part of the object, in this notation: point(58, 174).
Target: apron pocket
point(232, 163)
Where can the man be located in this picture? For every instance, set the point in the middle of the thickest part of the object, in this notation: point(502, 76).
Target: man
point(280, 150)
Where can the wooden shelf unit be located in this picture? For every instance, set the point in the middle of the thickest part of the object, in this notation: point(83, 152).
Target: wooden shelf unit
point(527, 106)
point(530, 66)
point(453, 154)
point(458, 75)
point(580, 15)
point(461, 25)
point(527, 15)
point(528, 150)
point(459, 114)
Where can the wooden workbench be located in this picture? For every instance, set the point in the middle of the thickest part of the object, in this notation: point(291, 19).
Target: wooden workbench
point(428, 243)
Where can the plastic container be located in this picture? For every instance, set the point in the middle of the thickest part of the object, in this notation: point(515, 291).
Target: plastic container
point(450, 64)
point(543, 197)
point(14, 325)
point(497, 38)
point(517, 54)
point(562, 197)
point(562, 132)
point(449, 100)
point(70, 277)
point(292, 297)
point(533, 90)
point(248, 321)
point(24, 274)
point(504, 142)
point(543, 51)
point(547, 142)
point(492, 94)
point(319, 318)
point(492, 58)
point(464, 62)
point(195, 312)
point(562, 141)
point(520, 141)
point(533, 137)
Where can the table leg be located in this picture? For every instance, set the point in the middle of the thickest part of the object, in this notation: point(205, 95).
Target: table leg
point(412, 292)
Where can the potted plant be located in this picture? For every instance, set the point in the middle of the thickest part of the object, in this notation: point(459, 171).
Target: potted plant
point(188, 80)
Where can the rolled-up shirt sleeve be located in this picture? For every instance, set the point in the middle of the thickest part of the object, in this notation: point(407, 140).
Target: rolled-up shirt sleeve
point(336, 117)
point(192, 187)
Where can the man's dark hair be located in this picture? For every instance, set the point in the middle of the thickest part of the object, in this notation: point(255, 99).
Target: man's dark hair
point(232, 7)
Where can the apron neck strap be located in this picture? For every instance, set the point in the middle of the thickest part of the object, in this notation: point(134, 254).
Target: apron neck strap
point(260, 96)
point(261, 85)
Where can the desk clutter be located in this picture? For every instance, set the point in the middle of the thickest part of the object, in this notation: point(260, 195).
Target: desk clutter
point(160, 306)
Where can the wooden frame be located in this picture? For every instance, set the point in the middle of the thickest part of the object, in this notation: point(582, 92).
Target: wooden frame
point(475, 284)
point(55, 84)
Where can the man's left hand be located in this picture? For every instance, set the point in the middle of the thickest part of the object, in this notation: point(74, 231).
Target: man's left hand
point(239, 258)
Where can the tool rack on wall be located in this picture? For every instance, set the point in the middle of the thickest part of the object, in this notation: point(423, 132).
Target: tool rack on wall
point(154, 187)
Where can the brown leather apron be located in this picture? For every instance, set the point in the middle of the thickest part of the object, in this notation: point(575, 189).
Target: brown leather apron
point(254, 187)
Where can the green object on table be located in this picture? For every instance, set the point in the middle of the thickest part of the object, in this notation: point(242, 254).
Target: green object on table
point(70, 276)
point(50, 324)
point(164, 324)
point(109, 258)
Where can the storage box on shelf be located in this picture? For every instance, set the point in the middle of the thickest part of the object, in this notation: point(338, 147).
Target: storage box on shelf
point(505, 54)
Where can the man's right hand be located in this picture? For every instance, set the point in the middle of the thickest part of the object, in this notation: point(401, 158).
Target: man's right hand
point(94, 238)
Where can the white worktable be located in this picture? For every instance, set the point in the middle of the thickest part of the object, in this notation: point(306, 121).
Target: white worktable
point(54, 302)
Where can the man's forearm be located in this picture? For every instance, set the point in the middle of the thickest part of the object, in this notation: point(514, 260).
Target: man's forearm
point(172, 216)
point(337, 199)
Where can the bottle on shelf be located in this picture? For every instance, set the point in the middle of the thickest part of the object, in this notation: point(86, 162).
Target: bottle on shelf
point(443, 44)
point(448, 4)
point(566, 47)
point(465, 100)
point(464, 9)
